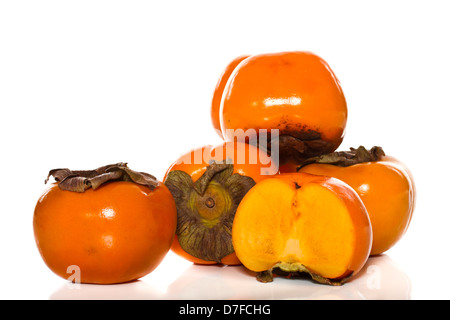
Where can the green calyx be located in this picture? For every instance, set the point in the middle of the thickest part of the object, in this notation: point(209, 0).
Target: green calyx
point(206, 209)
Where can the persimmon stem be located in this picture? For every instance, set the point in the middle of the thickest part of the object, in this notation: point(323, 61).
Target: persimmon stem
point(210, 203)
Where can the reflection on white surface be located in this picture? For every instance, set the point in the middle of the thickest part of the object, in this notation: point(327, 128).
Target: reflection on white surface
point(380, 279)
point(136, 290)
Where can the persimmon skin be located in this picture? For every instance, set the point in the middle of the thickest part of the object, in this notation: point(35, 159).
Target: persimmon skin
point(195, 162)
point(189, 163)
point(277, 235)
point(218, 91)
point(117, 233)
point(294, 92)
point(388, 191)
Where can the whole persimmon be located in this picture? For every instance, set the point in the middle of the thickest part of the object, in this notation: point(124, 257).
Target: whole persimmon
point(298, 222)
point(385, 185)
point(208, 184)
point(113, 224)
point(218, 92)
point(296, 93)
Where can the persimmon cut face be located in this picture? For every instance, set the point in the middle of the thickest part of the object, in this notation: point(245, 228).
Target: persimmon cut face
point(303, 223)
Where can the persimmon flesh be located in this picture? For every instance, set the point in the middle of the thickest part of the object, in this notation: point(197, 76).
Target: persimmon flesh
point(303, 223)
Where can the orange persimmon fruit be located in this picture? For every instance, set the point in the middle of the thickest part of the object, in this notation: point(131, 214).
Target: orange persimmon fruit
point(385, 185)
point(218, 92)
point(113, 224)
point(208, 184)
point(296, 93)
point(299, 222)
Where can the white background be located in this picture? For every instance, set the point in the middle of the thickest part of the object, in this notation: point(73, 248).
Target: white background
point(87, 83)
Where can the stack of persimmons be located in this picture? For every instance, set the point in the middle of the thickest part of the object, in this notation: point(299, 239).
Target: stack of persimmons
point(275, 197)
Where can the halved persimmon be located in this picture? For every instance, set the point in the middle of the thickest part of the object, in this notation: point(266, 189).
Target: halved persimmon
point(385, 185)
point(302, 223)
point(296, 93)
point(208, 184)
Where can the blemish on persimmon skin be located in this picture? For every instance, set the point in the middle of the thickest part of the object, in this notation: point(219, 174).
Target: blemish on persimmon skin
point(294, 202)
point(295, 209)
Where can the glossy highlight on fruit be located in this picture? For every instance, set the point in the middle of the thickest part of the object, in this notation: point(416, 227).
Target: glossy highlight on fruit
point(302, 223)
point(294, 92)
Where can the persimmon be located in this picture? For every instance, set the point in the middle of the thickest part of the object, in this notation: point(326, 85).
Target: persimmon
point(385, 185)
point(114, 224)
point(218, 92)
point(208, 184)
point(296, 93)
point(299, 222)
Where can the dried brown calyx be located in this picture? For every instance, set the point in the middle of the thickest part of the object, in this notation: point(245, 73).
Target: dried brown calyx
point(347, 158)
point(206, 209)
point(294, 146)
point(81, 180)
point(297, 270)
